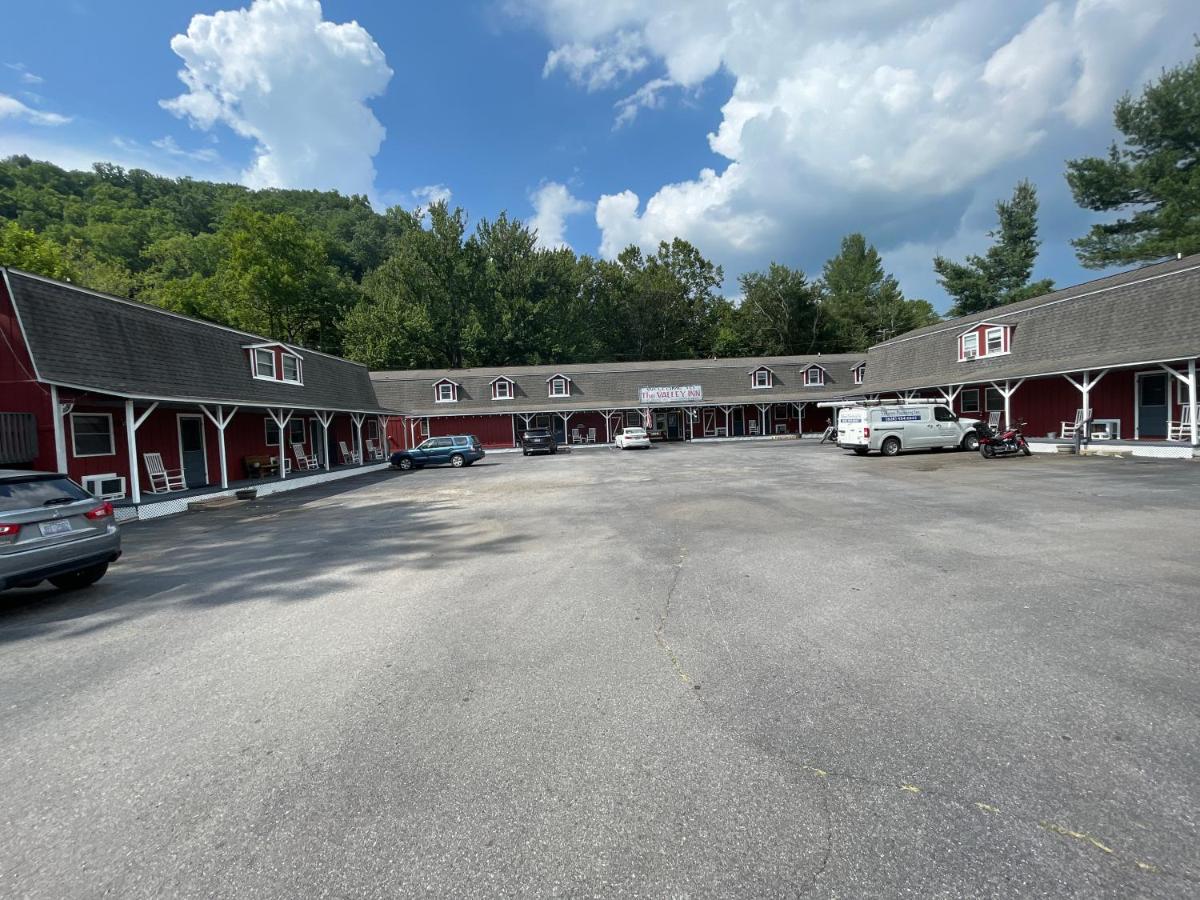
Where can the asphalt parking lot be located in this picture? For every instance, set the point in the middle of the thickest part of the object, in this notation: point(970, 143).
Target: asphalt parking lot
point(763, 669)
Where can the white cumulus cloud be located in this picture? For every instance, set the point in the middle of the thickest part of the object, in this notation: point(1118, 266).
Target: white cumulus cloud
point(12, 108)
point(553, 203)
point(297, 85)
point(889, 116)
point(431, 194)
point(24, 74)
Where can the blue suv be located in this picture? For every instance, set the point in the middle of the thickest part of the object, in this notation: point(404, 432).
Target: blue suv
point(458, 450)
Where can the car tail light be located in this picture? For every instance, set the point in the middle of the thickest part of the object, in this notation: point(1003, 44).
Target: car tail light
point(100, 512)
point(866, 432)
point(9, 531)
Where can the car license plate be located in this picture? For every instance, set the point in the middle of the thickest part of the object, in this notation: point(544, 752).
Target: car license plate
point(60, 527)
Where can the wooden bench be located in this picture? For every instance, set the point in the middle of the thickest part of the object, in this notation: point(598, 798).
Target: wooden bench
point(260, 466)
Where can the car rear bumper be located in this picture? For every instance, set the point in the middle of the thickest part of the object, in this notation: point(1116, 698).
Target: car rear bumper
point(38, 565)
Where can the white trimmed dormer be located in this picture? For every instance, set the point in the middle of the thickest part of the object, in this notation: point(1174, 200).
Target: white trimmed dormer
point(503, 388)
point(762, 377)
point(558, 385)
point(983, 340)
point(860, 373)
point(275, 362)
point(814, 376)
point(445, 391)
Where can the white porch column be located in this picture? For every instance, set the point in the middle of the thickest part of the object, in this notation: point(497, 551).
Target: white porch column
point(1084, 386)
point(1192, 400)
point(728, 424)
point(60, 437)
point(608, 428)
point(800, 408)
point(221, 422)
point(1006, 392)
point(566, 420)
point(132, 424)
point(357, 419)
point(281, 421)
point(762, 417)
point(950, 394)
point(324, 418)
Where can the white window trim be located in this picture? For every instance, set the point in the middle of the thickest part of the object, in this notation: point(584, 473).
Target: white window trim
point(268, 424)
point(962, 346)
point(859, 374)
point(987, 351)
point(257, 372)
point(808, 377)
point(437, 392)
point(112, 437)
point(770, 379)
point(986, 393)
point(299, 379)
point(962, 400)
point(565, 382)
point(508, 386)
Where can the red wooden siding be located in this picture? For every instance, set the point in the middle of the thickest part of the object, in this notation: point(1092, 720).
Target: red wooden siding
point(19, 390)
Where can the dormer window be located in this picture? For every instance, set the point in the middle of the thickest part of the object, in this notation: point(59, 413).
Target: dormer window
point(503, 389)
point(860, 372)
point(275, 362)
point(445, 391)
point(762, 377)
point(984, 339)
point(560, 385)
point(264, 363)
point(814, 376)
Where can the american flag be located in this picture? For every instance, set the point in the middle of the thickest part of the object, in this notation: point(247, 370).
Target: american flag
point(647, 420)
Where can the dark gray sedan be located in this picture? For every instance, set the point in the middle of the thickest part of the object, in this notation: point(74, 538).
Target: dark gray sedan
point(52, 528)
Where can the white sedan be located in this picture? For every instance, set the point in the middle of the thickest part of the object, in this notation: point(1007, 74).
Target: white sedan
point(632, 437)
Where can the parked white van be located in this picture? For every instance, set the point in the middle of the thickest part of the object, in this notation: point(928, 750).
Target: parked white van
point(890, 428)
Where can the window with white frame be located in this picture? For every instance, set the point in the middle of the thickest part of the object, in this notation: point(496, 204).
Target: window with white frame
point(633, 418)
point(270, 432)
point(560, 387)
point(994, 400)
point(994, 341)
point(373, 429)
point(264, 363)
point(292, 371)
point(446, 392)
point(969, 345)
point(92, 434)
point(859, 372)
point(814, 376)
point(969, 400)
point(502, 389)
point(295, 432)
point(762, 378)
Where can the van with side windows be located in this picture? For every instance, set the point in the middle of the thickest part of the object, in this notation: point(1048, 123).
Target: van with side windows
point(892, 427)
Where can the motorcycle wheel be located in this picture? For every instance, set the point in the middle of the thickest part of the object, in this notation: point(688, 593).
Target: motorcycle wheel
point(986, 451)
point(1025, 448)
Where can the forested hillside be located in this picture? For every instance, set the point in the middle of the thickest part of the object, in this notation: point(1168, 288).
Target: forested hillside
point(424, 287)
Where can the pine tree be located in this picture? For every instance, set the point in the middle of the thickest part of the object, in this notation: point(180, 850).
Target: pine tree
point(1003, 274)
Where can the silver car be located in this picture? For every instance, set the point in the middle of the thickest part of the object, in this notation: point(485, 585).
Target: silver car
point(52, 528)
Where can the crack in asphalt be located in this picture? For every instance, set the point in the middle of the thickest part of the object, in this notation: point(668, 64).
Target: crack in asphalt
point(660, 629)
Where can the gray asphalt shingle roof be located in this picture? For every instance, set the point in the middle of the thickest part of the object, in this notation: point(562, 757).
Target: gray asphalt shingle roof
point(1143, 315)
point(616, 385)
point(105, 344)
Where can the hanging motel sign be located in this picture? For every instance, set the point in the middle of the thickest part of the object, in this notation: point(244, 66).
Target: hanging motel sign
point(682, 394)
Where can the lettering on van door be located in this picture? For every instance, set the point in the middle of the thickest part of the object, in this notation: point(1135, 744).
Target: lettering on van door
point(900, 414)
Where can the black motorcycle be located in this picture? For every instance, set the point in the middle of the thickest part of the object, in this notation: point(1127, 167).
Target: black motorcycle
point(1002, 443)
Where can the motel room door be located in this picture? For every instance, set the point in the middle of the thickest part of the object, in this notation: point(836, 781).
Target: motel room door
point(1152, 405)
point(191, 451)
point(739, 422)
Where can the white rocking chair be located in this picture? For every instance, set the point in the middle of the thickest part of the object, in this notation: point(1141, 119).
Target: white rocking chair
point(591, 436)
point(374, 451)
point(1181, 430)
point(1070, 429)
point(348, 456)
point(162, 479)
point(304, 460)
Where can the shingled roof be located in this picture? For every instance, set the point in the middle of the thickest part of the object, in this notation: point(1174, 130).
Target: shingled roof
point(1144, 315)
point(83, 339)
point(616, 385)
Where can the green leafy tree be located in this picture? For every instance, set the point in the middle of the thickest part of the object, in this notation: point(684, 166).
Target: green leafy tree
point(1152, 181)
point(863, 303)
point(779, 313)
point(23, 249)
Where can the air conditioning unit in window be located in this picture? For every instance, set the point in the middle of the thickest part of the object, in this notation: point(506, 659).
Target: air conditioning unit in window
point(105, 487)
point(970, 354)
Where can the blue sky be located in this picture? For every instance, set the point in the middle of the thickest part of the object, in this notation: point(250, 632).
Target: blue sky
point(760, 131)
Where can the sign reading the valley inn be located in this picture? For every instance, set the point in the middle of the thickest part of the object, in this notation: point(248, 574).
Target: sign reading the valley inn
point(686, 393)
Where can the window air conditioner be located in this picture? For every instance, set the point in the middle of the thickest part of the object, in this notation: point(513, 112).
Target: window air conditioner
point(970, 354)
point(105, 487)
